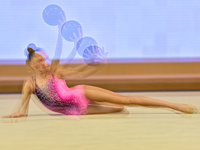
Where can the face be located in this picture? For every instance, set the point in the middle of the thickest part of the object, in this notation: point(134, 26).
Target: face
point(44, 55)
point(46, 59)
point(38, 63)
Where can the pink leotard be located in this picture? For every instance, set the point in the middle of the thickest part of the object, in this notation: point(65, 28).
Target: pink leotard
point(58, 97)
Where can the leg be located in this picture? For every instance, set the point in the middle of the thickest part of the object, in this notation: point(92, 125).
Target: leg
point(89, 87)
point(102, 95)
point(102, 108)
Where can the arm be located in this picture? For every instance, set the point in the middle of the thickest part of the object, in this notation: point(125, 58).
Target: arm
point(71, 55)
point(64, 72)
point(98, 60)
point(21, 109)
point(56, 60)
point(75, 39)
point(85, 70)
point(90, 70)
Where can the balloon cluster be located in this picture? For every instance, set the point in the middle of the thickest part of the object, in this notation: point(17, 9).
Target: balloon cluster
point(86, 46)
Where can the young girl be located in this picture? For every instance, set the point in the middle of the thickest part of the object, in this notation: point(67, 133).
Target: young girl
point(54, 94)
point(48, 85)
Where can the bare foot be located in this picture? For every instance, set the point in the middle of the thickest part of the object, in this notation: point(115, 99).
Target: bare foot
point(187, 108)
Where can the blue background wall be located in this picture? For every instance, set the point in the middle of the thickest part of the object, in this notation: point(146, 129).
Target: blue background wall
point(127, 29)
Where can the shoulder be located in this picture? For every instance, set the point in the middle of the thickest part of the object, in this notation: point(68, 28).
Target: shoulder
point(28, 84)
point(29, 80)
point(54, 65)
point(59, 72)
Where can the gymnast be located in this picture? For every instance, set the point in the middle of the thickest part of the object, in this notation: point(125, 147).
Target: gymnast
point(48, 84)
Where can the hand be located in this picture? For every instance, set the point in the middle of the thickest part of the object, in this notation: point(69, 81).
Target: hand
point(97, 55)
point(103, 56)
point(14, 115)
point(61, 22)
point(76, 38)
point(14, 120)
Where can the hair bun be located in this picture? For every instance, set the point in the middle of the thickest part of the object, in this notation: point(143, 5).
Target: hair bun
point(30, 50)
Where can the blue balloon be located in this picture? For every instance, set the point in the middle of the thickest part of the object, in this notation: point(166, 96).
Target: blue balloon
point(69, 28)
point(52, 14)
point(91, 54)
point(83, 43)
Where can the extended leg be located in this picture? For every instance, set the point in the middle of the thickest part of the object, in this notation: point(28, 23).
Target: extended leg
point(102, 95)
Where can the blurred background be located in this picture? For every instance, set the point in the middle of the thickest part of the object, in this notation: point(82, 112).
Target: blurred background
point(152, 44)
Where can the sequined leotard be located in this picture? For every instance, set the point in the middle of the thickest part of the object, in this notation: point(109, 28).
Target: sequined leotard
point(58, 97)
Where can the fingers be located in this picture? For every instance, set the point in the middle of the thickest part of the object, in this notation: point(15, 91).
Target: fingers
point(101, 53)
point(64, 17)
point(71, 38)
point(96, 54)
point(13, 116)
point(106, 53)
point(62, 21)
point(12, 120)
point(76, 38)
point(80, 32)
point(88, 56)
point(95, 50)
point(90, 53)
point(9, 116)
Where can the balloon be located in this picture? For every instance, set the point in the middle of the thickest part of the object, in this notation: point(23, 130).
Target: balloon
point(91, 54)
point(52, 14)
point(83, 43)
point(69, 28)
